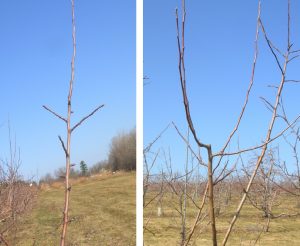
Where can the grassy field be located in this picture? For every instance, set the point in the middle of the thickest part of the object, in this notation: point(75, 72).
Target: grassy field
point(102, 212)
point(165, 230)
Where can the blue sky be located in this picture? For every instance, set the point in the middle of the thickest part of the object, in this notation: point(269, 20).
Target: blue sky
point(219, 54)
point(36, 48)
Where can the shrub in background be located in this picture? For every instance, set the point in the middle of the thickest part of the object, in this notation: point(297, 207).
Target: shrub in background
point(122, 155)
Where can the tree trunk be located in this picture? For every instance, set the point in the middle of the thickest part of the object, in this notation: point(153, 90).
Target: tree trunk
point(211, 197)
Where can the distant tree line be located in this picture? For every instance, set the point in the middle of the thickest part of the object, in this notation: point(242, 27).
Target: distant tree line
point(122, 156)
point(122, 152)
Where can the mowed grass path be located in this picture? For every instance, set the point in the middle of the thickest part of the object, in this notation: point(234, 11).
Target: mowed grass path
point(102, 212)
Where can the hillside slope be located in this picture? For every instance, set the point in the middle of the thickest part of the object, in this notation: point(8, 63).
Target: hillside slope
point(102, 212)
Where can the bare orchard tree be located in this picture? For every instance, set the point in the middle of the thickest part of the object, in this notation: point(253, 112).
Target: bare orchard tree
point(171, 189)
point(181, 190)
point(290, 174)
point(217, 170)
point(153, 185)
point(69, 129)
point(149, 162)
point(223, 195)
point(16, 195)
point(264, 195)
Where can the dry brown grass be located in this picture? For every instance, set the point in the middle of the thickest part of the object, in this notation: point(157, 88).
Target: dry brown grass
point(102, 212)
point(165, 230)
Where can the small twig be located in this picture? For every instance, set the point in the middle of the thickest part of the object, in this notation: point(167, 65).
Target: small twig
point(147, 149)
point(292, 80)
point(220, 179)
point(267, 103)
point(294, 57)
point(294, 51)
point(285, 215)
point(145, 228)
point(273, 86)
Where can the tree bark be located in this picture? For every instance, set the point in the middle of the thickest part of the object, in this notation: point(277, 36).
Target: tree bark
point(211, 196)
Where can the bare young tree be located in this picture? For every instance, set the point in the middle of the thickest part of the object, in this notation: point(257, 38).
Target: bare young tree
point(215, 173)
point(69, 129)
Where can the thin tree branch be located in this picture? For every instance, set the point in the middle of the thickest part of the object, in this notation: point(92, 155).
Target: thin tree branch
point(57, 115)
point(294, 51)
point(189, 146)
point(267, 139)
point(181, 69)
point(63, 145)
point(292, 80)
point(267, 103)
point(261, 145)
point(2, 239)
point(147, 149)
point(294, 57)
point(270, 46)
point(86, 117)
point(197, 217)
point(285, 215)
point(248, 91)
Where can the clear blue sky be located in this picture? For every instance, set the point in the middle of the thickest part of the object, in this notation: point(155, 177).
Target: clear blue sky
point(219, 54)
point(35, 51)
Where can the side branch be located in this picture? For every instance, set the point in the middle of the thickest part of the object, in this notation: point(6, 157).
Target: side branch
point(248, 91)
point(267, 139)
point(181, 68)
point(198, 216)
point(63, 145)
point(86, 117)
point(258, 146)
point(271, 46)
point(147, 149)
point(2, 239)
point(57, 115)
point(189, 146)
